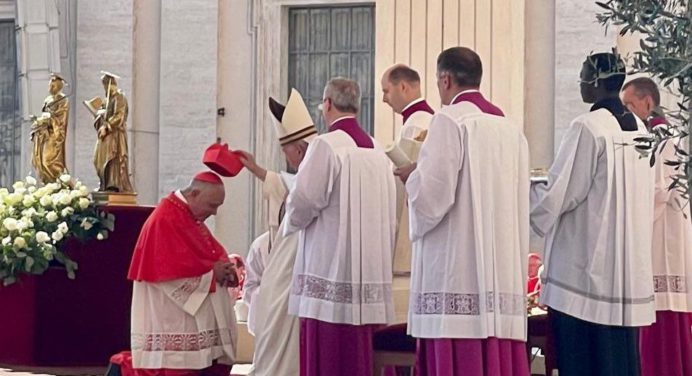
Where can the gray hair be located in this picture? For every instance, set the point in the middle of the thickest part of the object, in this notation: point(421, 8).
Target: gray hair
point(344, 94)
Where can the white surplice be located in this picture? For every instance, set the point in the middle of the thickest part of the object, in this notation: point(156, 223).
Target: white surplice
point(277, 334)
point(416, 123)
point(596, 212)
point(274, 191)
point(179, 324)
point(344, 203)
point(254, 269)
point(468, 203)
point(672, 239)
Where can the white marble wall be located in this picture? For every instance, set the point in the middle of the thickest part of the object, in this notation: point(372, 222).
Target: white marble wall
point(190, 76)
point(188, 89)
point(577, 35)
point(104, 42)
point(188, 80)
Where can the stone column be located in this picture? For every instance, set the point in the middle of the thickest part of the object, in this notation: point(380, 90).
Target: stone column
point(539, 110)
point(235, 96)
point(38, 49)
point(144, 123)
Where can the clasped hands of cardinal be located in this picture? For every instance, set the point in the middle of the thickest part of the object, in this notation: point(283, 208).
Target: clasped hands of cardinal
point(225, 274)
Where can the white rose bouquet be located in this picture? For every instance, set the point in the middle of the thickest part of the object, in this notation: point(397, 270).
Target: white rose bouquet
point(35, 222)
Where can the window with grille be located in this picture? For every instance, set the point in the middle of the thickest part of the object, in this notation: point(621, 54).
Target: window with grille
point(326, 42)
point(10, 121)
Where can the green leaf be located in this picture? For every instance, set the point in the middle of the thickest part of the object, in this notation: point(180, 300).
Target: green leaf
point(28, 263)
point(603, 5)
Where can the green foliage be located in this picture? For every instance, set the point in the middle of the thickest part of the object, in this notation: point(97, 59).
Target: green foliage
point(666, 54)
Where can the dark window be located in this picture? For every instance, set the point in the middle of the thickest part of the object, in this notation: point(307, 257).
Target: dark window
point(10, 121)
point(326, 42)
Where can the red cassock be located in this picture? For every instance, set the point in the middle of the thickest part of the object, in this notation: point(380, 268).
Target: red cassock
point(173, 245)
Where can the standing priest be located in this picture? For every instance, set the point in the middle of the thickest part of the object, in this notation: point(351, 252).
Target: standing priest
point(596, 213)
point(468, 202)
point(401, 91)
point(344, 205)
point(665, 346)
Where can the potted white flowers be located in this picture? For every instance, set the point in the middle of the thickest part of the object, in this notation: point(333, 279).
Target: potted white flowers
point(35, 221)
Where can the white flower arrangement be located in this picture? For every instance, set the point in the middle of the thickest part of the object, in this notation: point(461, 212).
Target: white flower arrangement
point(35, 221)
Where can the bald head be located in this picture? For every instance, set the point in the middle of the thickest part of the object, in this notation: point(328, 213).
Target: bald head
point(400, 86)
point(204, 198)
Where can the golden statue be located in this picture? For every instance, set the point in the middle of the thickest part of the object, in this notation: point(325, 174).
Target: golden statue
point(110, 153)
point(48, 133)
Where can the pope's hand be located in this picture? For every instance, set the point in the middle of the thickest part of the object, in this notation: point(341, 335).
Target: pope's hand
point(248, 160)
point(403, 172)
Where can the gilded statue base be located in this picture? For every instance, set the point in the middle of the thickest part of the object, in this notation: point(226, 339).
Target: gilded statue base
point(114, 198)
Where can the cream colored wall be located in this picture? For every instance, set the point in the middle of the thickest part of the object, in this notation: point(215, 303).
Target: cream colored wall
point(414, 32)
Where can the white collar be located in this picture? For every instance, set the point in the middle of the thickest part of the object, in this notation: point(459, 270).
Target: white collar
point(342, 118)
point(179, 195)
point(412, 103)
point(463, 92)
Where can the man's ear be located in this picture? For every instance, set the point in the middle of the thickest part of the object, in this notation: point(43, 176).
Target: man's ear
point(650, 104)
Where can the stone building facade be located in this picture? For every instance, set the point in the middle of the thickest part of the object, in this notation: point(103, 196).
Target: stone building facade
point(233, 54)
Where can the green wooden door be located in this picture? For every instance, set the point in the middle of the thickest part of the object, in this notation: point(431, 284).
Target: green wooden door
point(326, 42)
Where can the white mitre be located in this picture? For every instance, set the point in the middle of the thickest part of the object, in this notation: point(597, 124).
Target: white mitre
point(293, 120)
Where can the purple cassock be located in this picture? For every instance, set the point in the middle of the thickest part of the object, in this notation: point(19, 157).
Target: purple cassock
point(665, 347)
point(418, 106)
point(472, 356)
point(335, 349)
point(338, 349)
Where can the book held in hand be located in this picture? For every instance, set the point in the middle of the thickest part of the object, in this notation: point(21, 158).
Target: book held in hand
point(397, 155)
point(94, 105)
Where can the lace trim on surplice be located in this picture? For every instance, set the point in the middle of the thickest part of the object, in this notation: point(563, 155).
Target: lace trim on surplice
point(183, 292)
point(445, 303)
point(341, 292)
point(670, 283)
point(179, 341)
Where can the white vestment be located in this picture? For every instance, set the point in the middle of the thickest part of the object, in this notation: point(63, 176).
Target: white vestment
point(468, 203)
point(254, 269)
point(672, 239)
point(274, 191)
point(416, 123)
point(596, 212)
point(277, 334)
point(344, 203)
point(179, 324)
